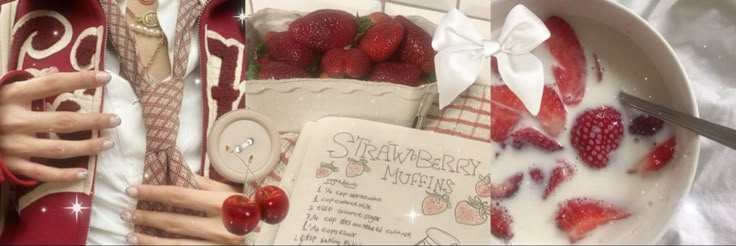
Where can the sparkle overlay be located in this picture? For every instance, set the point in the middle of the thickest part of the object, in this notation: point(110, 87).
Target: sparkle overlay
point(76, 208)
point(241, 17)
point(412, 215)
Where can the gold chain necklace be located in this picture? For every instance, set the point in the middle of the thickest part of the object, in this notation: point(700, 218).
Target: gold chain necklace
point(153, 57)
point(149, 19)
point(151, 29)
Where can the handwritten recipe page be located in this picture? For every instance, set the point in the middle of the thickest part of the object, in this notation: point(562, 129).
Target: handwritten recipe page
point(354, 182)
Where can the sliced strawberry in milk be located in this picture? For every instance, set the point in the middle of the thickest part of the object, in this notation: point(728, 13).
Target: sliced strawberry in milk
point(577, 217)
point(503, 120)
point(531, 136)
point(552, 114)
point(507, 188)
point(501, 222)
point(598, 68)
point(570, 70)
point(503, 95)
point(537, 175)
point(657, 159)
point(563, 172)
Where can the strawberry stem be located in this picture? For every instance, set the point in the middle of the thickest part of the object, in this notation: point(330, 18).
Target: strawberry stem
point(363, 22)
point(253, 70)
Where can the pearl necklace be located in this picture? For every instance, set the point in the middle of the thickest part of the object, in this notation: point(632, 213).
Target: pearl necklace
point(149, 25)
point(151, 32)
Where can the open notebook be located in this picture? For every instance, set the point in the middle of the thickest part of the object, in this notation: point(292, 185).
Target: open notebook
point(354, 181)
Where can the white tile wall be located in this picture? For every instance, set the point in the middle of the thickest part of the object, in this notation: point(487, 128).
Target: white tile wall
point(476, 8)
point(397, 9)
point(356, 6)
point(442, 5)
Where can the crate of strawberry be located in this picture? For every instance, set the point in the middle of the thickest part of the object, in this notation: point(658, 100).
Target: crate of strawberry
point(305, 66)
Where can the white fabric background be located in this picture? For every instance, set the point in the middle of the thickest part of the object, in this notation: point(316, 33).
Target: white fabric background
point(703, 34)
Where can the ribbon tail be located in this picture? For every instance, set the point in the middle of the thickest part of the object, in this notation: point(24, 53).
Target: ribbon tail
point(459, 69)
point(524, 74)
point(523, 31)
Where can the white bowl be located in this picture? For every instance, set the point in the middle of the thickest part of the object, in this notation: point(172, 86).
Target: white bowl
point(673, 183)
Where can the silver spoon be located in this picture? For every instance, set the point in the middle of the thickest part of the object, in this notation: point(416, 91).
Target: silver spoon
point(718, 133)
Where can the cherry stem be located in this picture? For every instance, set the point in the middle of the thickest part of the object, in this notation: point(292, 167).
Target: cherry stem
point(247, 167)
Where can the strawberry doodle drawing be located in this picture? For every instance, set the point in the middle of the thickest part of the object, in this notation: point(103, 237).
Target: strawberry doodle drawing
point(435, 203)
point(473, 211)
point(325, 169)
point(483, 187)
point(356, 168)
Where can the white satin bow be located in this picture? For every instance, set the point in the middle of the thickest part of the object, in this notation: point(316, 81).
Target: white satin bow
point(461, 52)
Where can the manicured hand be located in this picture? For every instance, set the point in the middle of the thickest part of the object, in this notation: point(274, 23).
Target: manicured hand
point(19, 125)
point(197, 230)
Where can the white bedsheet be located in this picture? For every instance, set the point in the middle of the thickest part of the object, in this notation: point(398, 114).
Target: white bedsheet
point(703, 34)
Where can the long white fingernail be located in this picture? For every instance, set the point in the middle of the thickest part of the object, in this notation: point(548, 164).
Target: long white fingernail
point(131, 191)
point(107, 144)
point(126, 216)
point(115, 121)
point(131, 238)
point(103, 78)
point(82, 174)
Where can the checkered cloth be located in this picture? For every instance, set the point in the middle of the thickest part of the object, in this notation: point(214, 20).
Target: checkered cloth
point(161, 102)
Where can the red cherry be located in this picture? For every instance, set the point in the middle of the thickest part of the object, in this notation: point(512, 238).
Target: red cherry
point(273, 202)
point(240, 215)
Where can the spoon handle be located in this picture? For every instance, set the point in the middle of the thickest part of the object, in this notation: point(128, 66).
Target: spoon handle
point(718, 133)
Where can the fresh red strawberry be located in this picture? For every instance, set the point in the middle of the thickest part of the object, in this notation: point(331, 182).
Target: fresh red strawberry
point(417, 46)
point(645, 125)
point(501, 222)
point(598, 68)
point(324, 29)
point(397, 73)
point(507, 188)
point(577, 217)
point(657, 159)
point(382, 40)
point(537, 175)
point(280, 70)
point(339, 63)
point(281, 47)
point(263, 60)
point(503, 120)
point(552, 113)
point(503, 95)
point(368, 21)
point(534, 137)
point(563, 172)
point(570, 69)
point(595, 134)
point(379, 17)
point(483, 186)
